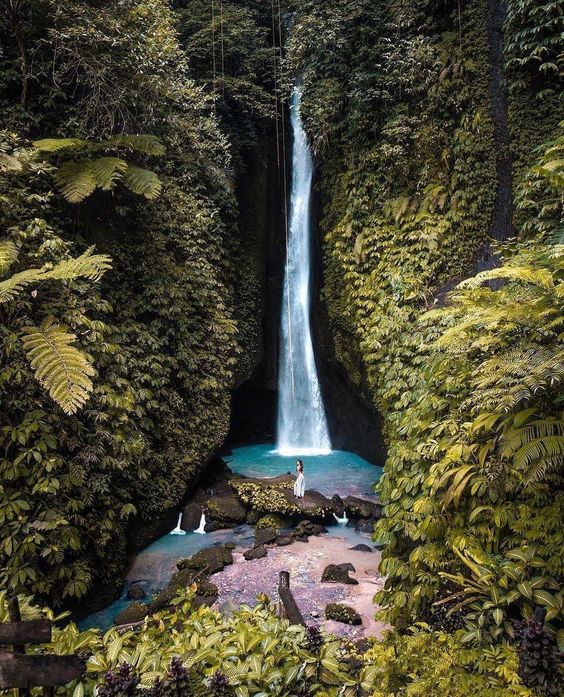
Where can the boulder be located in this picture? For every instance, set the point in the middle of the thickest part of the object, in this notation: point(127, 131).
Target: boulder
point(361, 548)
point(338, 573)
point(134, 613)
point(274, 520)
point(180, 580)
point(227, 509)
point(284, 540)
point(191, 516)
point(312, 505)
point(361, 508)
point(213, 525)
point(275, 495)
point(342, 613)
point(255, 553)
point(338, 505)
point(210, 560)
point(264, 536)
point(136, 592)
point(365, 525)
point(305, 528)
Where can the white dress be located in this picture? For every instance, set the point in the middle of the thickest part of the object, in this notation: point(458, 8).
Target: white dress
point(299, 485)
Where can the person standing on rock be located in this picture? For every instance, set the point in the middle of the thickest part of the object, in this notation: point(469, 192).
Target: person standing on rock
point(299, 484)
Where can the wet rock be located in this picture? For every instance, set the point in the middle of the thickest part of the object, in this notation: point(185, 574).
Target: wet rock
point(361, 548)
point(305, 528)
point(264, 536)
point(253, 517)
point(213, 525)
point(361, 508)
point(274, 520)
point(284, 540)
point(365, 525)
point(338, 573)
point(255, 553)
point(136, 592)
point(133, 613)
point(338, 505)
point(227, 509)
point(209, 560)
point(191, 516)
point(342, 613)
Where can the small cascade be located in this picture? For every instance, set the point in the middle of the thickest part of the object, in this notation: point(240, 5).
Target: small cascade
point(202, 529)
point(341, 521)
point(178, 530)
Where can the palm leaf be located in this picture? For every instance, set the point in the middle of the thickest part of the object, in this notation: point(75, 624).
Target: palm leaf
point(60, 367)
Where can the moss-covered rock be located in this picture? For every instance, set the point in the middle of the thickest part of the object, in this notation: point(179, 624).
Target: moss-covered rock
point(209, 560)
point(273, 520)
point(361, 508)
point(342, 613)
point(134, 613)
point(264, 536)
point(136, 592)
point(226, 509)
point(275, 496)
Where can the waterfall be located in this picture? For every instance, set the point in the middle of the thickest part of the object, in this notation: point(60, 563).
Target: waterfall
point(302, 426)
point(178, 530)
point(202, 529)
point(341, 521)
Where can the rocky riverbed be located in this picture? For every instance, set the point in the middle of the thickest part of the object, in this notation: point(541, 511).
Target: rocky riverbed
point(242, 581)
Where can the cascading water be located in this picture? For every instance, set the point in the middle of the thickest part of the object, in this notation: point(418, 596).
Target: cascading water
point(178, 530)
point(302, 425)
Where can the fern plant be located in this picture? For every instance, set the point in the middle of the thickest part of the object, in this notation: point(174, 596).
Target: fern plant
point(62, 369)
point(79, 177)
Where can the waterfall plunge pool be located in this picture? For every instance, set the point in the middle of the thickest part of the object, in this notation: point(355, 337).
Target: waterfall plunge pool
point(337, 472)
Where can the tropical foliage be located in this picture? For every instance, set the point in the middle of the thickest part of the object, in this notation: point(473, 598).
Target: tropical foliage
point(468, 382)
point(182, 652)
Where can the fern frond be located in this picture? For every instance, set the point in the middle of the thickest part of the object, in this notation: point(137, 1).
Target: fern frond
point(107, 171)
point(87, 265)
point(142, 181)
point(49, 145)
point(146, 144)
point(61, 368)
point(76, 180)
point(525, 274)
point(10, 163)
point(8, 254)
point(16, 283)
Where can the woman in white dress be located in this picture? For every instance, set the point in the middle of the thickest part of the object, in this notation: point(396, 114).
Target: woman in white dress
point(299, 484)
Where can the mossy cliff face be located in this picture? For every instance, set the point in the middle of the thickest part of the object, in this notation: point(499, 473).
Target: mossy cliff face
point(175, 325)
point(424, 119)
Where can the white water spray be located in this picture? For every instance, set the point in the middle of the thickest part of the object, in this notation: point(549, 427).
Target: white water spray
point(302, 426)
point(202, 529)
point(341, 521)
point(178, 530)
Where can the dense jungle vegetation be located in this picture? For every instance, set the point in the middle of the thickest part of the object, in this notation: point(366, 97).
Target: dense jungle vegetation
point(130, 292)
